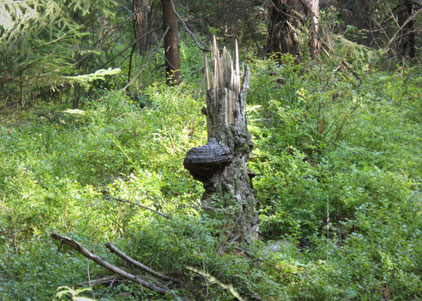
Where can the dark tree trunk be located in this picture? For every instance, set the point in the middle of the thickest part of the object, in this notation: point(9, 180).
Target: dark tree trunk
point(286, 20)
point(142, 21)
point(283, 27)
point(221, 164)
point(171, 42)
point(76, 96)
point(407, 34)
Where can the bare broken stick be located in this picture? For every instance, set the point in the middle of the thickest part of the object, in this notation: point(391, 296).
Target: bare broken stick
point(143, 267)
point(78, 247)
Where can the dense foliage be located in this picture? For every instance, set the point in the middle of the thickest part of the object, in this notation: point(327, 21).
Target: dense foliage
point(338, 158)
point(46, 48)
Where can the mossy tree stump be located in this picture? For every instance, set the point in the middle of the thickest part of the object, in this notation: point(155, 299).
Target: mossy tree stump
point(221, 164)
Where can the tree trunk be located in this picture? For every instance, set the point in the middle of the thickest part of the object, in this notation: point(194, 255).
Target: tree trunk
point(283, 27)
point(171, 42)
point(142, 23)
point(221, 164)
point(407, 34)
point(312, 11)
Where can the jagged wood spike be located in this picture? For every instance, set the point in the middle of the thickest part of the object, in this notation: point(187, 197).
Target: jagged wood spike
point(207, 75)
point(237, 69)
point(236, 56)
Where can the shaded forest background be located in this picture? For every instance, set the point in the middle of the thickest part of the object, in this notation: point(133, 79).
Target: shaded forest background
point(99, 106)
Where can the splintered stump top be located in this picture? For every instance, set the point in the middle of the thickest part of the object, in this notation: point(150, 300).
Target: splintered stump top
point(221, 164)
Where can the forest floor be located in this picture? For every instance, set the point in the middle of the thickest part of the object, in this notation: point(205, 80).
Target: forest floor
point(338, 158)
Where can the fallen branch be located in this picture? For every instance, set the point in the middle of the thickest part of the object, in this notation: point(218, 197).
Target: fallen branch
point(126, 48)
point(143, 267)
point(147, 61)
point(212, 279)
point(136, 204)
point(349, 68)
point(78, 247)
point(411, 18)
point(105, 280)
point(204, 48)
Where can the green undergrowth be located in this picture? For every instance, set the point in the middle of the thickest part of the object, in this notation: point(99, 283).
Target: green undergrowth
point(338, 158)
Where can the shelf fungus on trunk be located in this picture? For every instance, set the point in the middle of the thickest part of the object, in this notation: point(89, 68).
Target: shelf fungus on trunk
point(204, 161)
point(221, 164)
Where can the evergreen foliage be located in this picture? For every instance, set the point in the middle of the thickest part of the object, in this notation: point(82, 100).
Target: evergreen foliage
point(42, 45)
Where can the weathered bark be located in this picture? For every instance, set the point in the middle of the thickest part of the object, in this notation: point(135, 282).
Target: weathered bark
point(142, 21)
point(312, 11)
point(407, 34)
point(171, 43)
point(225, 175)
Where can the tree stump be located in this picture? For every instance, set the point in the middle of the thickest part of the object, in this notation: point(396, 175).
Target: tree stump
point(221, 164)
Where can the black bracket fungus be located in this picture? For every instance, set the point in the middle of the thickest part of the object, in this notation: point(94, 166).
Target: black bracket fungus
point(204, 161)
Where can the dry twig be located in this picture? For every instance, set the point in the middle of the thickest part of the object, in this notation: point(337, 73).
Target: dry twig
point(195, 39)
point(78, 247)
point(143, 267)
point(138, 205)
point(147, 61)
